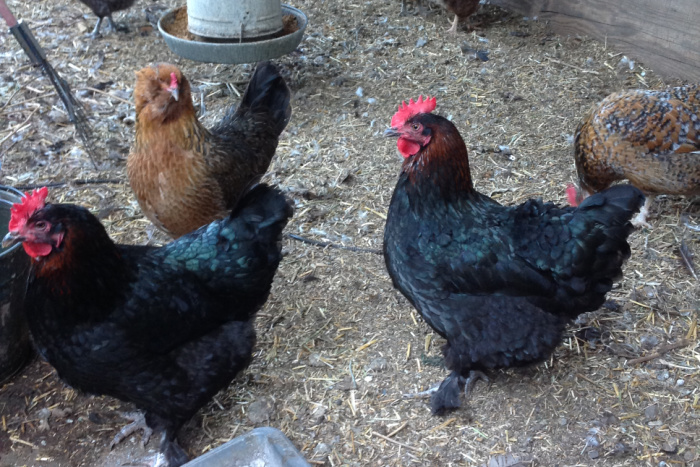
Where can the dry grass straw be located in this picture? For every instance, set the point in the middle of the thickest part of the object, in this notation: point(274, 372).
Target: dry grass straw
point(337, 345)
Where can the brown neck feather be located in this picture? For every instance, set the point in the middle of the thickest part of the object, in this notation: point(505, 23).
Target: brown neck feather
point(179, 127)
point(81, 244)
point(443, 162)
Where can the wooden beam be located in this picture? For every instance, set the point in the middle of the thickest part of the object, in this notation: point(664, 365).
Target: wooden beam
point(665, 35)
point(524, 7)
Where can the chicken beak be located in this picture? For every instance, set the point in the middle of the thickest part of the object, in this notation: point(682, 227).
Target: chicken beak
point(391, 133)
point(175, 93)
point(11, 238)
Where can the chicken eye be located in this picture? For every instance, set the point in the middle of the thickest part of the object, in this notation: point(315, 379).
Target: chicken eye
point(41, 225)
point(416, 126)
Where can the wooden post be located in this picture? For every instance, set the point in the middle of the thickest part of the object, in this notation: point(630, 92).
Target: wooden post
point(665, 35)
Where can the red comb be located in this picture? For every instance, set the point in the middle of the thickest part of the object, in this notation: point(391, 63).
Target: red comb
point(22, 211)
point(572, 194)
point(407, 111)
point(173, 80)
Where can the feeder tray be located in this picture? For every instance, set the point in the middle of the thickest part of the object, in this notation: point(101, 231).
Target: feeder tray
point(234, 52)
point(264, 446)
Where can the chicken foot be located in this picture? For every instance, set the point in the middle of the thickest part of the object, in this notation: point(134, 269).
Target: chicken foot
point(474, 376)
point(445, 396)
point(467, 382)
point(686, 222)
point(96, 32)
point(640, 219)
point(112, 26)
point(470, 25)
point(453, 28)
point(426, 393)
point(138, 423)
point(170, 455)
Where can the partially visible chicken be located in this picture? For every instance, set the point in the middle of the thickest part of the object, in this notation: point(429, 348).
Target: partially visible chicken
point(651, 138)
point(185, 176)
point(104, 9)
point(500, 283)
point(166, 327)
point(462, 10)
point(417, 6)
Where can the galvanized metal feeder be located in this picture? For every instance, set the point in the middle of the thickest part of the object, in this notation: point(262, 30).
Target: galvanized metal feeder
point(234, 31)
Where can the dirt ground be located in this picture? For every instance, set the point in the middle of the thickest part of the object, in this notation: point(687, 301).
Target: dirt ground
point(337, 345)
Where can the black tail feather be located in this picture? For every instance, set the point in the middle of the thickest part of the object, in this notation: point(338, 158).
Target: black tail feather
point(620, 202)
point(601, 226)
point(268, 90)
point(263, 206)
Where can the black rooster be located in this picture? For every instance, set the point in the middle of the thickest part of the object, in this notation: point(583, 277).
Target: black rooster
point(499, 283)
point(164, 328)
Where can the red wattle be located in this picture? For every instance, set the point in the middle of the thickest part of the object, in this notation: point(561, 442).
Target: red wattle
point(37, 250)
point(572, 194)
point(407, 148)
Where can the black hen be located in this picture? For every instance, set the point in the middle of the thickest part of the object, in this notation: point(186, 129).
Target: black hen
point(499, 283)
point(164, 328)
point(104, 9)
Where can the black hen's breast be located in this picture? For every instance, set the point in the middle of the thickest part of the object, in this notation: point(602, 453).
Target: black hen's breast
point(500, 283)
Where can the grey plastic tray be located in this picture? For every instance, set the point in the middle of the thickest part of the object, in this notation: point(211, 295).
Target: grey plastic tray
point(261, 447)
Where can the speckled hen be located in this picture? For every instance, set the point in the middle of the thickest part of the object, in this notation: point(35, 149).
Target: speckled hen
point(651, 138)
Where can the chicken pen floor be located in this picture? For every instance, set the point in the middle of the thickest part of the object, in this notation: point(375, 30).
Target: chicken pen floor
point(337, 345)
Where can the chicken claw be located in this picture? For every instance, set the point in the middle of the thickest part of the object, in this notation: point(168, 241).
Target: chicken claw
point(445, 396)
point(138, 423)
point(453, 28)
point(686, 222)
point(474, 376)
point(641, 219)
point(426, 393)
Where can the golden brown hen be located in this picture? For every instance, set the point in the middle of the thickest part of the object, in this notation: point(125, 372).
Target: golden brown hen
point(185, 176)
point(651, 138)
point(462, 9)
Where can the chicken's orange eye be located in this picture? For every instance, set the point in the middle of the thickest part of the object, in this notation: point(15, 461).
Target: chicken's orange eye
point(416, 126)
point(41, 225)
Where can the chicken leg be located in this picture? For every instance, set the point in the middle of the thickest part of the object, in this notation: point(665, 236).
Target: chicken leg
point(138, 422)
point(96, 32)
point(453, 28)
point(110, 24)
